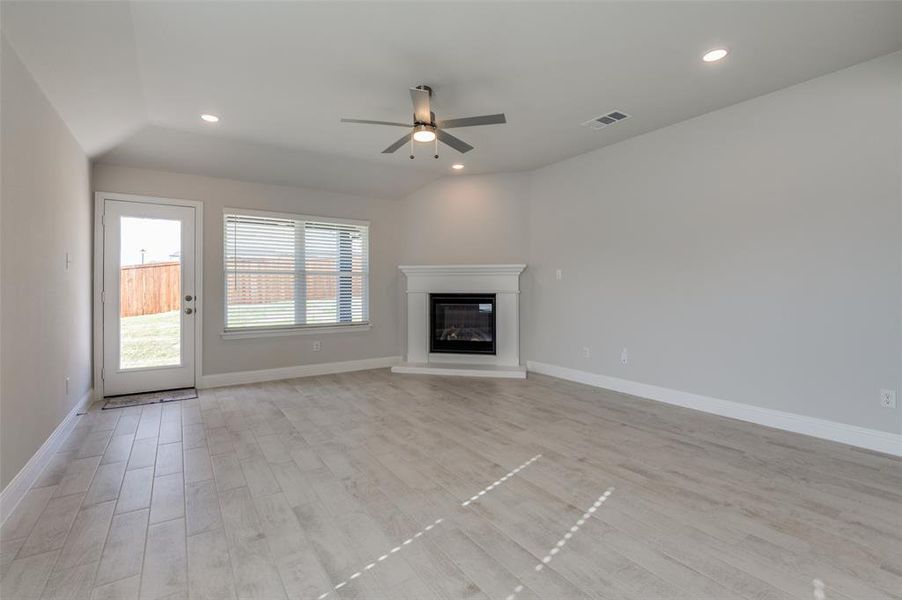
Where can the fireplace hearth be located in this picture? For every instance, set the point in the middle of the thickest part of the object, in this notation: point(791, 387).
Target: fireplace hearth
point(462, 323)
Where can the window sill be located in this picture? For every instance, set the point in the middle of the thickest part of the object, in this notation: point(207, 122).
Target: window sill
point(291, 331)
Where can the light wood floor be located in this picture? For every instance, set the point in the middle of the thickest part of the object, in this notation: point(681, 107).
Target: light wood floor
point(293, 488)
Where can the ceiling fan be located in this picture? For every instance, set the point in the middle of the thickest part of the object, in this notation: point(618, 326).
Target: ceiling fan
point(426, 129)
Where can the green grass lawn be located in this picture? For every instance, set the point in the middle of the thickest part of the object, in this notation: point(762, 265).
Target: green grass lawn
point(150, 340)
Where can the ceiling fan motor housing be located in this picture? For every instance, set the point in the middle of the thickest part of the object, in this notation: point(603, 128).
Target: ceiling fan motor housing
point(431, 121)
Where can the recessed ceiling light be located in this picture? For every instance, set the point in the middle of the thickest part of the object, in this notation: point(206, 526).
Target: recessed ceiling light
point(715, 55)
point(209, 118)
point(457, 166)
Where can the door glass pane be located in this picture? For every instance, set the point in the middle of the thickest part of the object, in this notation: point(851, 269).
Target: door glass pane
point(150, 262)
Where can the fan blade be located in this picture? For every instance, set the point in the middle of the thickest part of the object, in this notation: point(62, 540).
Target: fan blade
point(367, 122)
point(456, 143)
point(473, 121)
point(397, 144)
point(421, 110)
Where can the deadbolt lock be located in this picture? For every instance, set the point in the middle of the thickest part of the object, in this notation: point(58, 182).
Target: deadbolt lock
point(189, 298)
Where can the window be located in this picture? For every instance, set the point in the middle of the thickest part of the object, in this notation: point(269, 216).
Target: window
point(287, 272)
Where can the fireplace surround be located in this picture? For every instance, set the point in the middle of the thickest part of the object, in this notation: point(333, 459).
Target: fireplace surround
point(475, 308)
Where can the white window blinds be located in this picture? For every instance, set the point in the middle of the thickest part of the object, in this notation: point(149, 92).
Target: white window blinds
point(285, 271)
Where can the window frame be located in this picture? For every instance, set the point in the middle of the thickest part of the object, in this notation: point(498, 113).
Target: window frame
point(290, 330)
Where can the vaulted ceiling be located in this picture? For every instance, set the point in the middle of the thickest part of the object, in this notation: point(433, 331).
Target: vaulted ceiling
point(131, 78)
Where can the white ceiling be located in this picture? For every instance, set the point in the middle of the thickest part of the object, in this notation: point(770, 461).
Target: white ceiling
point(131, 78)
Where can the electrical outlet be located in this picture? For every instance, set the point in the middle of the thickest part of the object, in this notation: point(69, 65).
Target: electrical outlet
point(317, 346)
point(558, 274)
point(888, 398)
point(586, 352)
point(625, 356)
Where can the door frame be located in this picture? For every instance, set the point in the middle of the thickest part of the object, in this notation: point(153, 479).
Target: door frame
point(99, 200)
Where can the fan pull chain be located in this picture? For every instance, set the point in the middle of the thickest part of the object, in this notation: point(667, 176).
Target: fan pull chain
point(436, 146)
point(411, 147)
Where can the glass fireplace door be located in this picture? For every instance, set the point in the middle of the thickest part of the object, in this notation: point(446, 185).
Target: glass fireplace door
point(462, 323)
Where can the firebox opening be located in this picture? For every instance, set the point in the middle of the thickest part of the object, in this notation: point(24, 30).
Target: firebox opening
point(462, 323)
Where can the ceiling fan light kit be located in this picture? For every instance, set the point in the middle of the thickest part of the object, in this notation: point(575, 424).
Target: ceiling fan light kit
point(424, 133)
point(426, 129)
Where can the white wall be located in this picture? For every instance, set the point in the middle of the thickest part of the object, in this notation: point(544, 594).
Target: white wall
point(45, 309)
point(226, 356)
point(753, 254)
point(466, 219)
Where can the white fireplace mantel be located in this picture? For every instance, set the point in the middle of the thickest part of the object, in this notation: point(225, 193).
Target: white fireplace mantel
point(501, 280)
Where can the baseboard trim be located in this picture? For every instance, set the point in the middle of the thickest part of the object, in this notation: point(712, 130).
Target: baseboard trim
point(241, 377)
point(13, 493)
point(461, 370)
point(862, 437)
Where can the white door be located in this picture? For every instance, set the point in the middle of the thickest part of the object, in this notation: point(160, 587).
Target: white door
point(149, 300)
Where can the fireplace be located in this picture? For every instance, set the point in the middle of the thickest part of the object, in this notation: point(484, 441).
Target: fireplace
point(462, 323)
point(463, 320)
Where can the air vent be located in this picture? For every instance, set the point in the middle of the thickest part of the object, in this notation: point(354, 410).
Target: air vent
point(604, 120)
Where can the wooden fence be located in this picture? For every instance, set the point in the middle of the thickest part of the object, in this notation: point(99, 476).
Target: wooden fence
point(278, 284)
point(149, 289)
point(155, 288)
